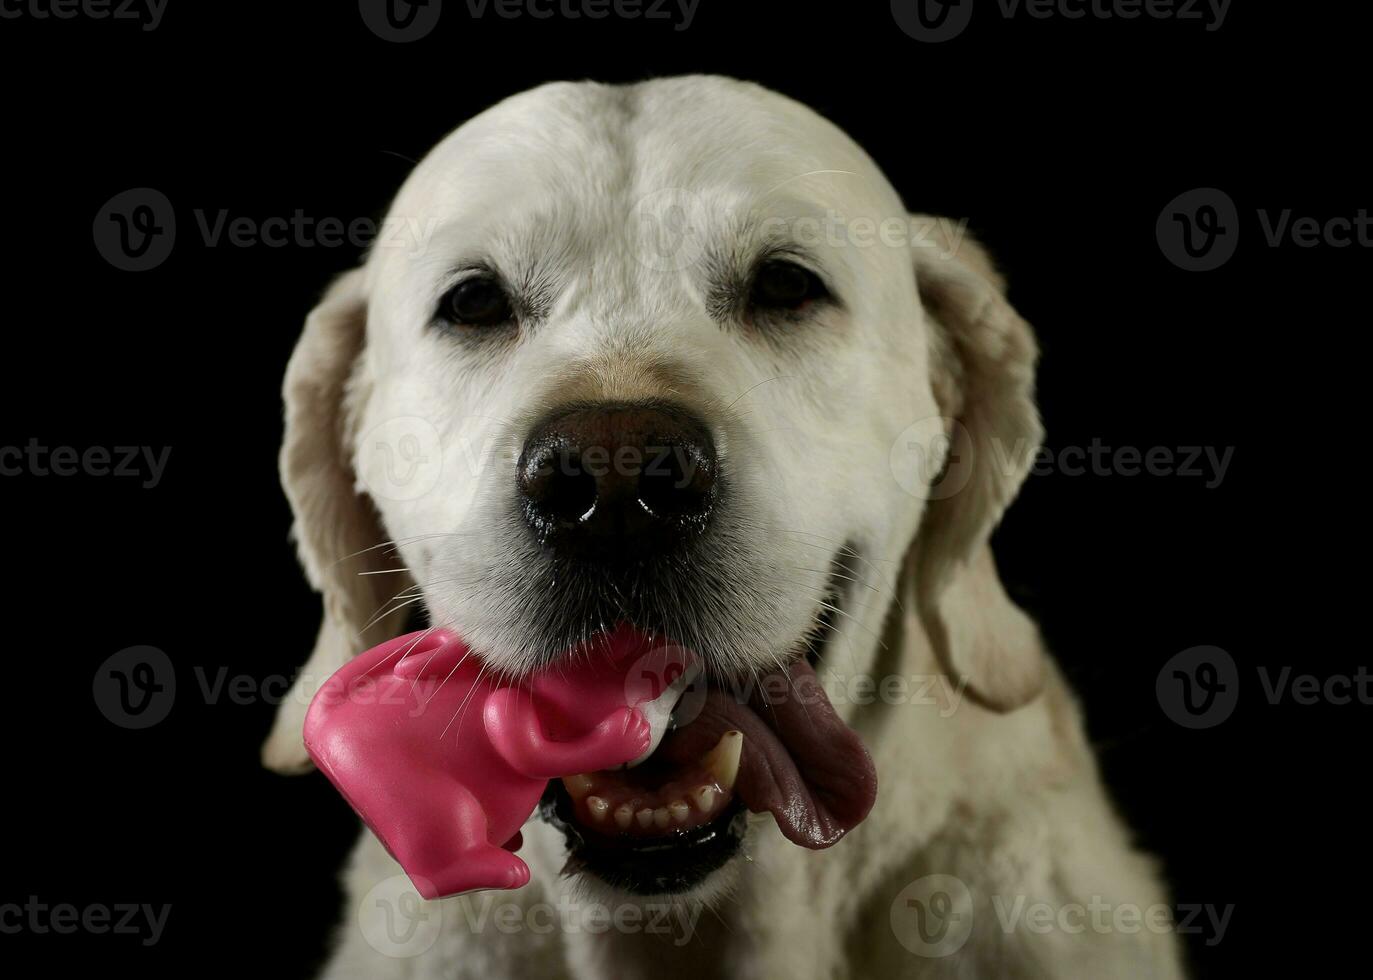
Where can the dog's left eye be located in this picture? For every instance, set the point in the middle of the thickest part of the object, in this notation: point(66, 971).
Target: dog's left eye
point(783, 285)
point(477, 302)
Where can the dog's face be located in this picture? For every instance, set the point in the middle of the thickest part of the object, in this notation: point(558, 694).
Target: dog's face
point(658, 355)
point(624, 275)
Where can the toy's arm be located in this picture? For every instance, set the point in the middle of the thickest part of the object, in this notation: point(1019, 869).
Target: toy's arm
point(515, 730)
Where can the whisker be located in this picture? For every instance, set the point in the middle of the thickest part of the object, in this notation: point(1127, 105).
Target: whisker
point(462, 708)
point(760, 384)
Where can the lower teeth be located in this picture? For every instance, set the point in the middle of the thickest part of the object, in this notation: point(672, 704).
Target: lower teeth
point(607, 802)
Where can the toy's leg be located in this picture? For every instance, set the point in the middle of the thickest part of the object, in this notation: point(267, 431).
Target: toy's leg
point(515, 729)
point(448, 852)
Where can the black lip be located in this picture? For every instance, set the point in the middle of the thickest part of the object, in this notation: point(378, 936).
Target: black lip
point(647, 865)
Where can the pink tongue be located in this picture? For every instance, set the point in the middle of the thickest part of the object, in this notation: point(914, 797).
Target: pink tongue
point(800, 762)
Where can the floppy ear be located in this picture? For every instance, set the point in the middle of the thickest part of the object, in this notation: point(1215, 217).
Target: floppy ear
point(982, 364)
point(337, 530)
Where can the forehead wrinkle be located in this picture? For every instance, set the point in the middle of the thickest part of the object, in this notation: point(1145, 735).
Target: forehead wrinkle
point(529, 240)
point(534, 253)
point(526, 197)
point(739, 243)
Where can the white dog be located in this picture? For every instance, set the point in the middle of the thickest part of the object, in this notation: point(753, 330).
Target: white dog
point(701, 264)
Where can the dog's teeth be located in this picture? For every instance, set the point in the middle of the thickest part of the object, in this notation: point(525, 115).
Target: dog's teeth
point(679, 810)
point(624, 816)
point(723, 760)
point(645, 817)
point(577, 786)
point(599, 808)
point(662, 817)
point(704, 797)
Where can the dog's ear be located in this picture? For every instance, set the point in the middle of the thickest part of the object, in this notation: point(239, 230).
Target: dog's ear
point(982, 371)
point(337, 531)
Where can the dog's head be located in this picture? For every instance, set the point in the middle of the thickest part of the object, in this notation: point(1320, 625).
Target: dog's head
point(670, 354)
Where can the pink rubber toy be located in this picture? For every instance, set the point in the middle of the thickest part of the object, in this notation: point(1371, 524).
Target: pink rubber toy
point(445, 762)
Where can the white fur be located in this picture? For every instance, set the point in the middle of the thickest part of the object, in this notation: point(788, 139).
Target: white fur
point(997, 788)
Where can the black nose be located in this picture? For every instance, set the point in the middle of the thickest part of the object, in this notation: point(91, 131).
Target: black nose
point(618, 482)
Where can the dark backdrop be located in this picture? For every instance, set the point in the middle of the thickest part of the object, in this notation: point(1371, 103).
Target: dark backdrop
point(1063, 140)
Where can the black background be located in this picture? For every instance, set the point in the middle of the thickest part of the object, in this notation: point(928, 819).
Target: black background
point(1062, 140)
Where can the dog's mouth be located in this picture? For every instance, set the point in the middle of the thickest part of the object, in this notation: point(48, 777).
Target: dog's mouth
point(720, 749)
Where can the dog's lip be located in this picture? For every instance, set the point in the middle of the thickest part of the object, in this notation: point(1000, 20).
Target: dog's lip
point(646, 865)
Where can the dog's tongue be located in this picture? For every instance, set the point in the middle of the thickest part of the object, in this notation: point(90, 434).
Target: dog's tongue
point(800, 762)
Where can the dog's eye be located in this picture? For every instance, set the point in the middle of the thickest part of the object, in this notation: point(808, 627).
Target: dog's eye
point(783, 285)
point(477, 302)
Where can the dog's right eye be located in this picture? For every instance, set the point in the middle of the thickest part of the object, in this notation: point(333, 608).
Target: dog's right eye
point(476, 302)
point(782, 285)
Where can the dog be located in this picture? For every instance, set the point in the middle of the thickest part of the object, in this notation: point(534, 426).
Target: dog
point(839, 403)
